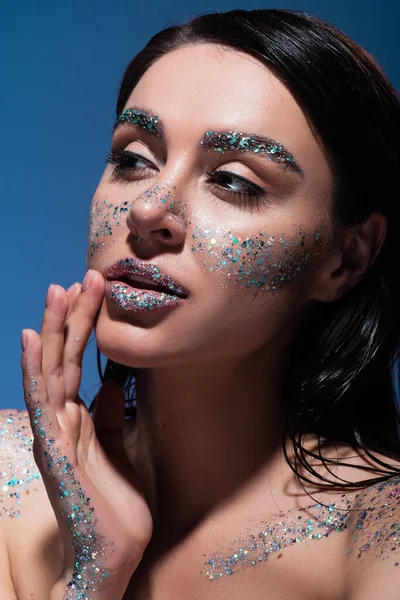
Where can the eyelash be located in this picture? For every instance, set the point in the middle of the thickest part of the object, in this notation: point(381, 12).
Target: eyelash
point(124, 160)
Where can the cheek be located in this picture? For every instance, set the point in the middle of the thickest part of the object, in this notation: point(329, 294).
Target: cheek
point(262, 263)
point(107, 221)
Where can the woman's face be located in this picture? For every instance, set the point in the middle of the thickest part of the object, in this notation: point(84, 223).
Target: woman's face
point(218, 183)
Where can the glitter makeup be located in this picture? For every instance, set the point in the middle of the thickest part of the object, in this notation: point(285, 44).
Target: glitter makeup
point(129, 267)
point(140, 118)
point(105, 217)
point(377, 528)
point(313, 522)
point(234, 141)
point(316, 522)
point(22, 473)
point(75, 506)
point(261, 262)
point(130, 297)
point(137, 300)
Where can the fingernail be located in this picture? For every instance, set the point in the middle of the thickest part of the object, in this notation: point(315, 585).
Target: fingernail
point(50, 294)
point(86, 282)
point(73, 287)
point(24, 340)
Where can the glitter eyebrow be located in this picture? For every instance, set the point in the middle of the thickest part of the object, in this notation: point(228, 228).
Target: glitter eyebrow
point(234, 141)
point(144, 119)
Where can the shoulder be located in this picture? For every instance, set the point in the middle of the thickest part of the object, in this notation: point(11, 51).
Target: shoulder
point(28, 527)
point(373, 552)
point(18, 471)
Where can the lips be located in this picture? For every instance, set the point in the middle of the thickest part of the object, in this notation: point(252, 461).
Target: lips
point(146, 276)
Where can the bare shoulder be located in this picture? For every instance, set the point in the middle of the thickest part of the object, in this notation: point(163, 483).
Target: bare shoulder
point(373, 552)
point(28, 527)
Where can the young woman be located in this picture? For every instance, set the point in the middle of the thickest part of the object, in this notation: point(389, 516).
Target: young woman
point(243, 282)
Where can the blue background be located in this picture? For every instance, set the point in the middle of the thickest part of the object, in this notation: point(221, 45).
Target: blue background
point(61, 64)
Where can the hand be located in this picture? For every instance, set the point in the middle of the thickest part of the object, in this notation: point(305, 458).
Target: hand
point(104, 520)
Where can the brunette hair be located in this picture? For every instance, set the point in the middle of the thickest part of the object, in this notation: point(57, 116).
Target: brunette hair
point(339, 379)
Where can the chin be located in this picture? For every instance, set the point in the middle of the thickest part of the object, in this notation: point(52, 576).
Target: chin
point(136, 346)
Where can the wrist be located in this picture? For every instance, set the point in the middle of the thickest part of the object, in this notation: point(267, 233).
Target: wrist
point(112, 587)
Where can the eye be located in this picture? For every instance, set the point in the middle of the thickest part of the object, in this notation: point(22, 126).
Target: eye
point(247, 192)
point(129, 165)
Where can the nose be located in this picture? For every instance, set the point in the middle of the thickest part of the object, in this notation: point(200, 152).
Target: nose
point(157, 216)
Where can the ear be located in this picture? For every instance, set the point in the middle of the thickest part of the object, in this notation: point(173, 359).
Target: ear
point(349, 260)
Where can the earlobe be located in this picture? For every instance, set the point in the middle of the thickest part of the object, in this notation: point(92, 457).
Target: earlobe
point(334, 282)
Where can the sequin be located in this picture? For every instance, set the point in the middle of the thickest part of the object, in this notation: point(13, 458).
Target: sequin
point(105, 217)
point(224, 142)
point(18, 470)
point(140, 301)
point(261, 262)
point(360, 516)
point(141, 118)
point(75, 507)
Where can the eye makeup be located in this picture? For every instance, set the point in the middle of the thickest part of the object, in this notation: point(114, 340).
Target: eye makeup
point(234, 141)
point(263, 262)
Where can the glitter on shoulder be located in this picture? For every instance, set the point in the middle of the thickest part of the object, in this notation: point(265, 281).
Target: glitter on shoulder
point(296, 526)
point(375, 527)
point(372, 519)
point(18, 470)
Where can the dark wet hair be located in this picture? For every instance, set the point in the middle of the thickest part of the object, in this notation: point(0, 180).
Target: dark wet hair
point(339, 379)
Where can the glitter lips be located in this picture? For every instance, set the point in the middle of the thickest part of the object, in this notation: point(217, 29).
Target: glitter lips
point(160, 292)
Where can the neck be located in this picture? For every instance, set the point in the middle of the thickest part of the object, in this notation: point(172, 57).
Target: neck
point(203, 433)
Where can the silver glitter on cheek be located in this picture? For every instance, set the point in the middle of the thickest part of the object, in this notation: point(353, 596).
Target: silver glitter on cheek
point(106, 217)
point(261, 262)
point(74, 504)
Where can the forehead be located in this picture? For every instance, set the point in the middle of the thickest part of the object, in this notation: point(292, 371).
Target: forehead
point(204, 87)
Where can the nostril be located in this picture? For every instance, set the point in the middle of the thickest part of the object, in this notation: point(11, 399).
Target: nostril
point(166, 233)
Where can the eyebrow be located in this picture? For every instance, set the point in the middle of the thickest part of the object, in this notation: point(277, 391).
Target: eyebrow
point(234, 141)
point(144, 119)
point(220, 141)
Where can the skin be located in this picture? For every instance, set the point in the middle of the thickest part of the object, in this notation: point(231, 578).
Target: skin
point(205, 356)
point(206, 446)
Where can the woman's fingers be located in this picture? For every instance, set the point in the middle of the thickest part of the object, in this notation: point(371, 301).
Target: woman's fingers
point(40, 410)
point(52, 337)
point(77, 331)
point(73, 294)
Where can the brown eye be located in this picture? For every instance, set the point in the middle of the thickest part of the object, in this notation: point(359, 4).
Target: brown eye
point(128, 165)
point(236, 185)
